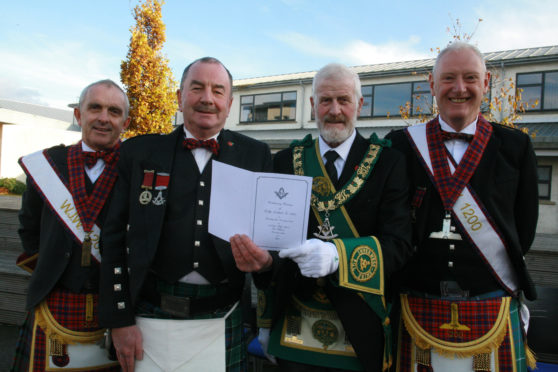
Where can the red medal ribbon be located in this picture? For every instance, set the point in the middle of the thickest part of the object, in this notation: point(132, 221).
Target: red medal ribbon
point(162, 181)
point(147, 179)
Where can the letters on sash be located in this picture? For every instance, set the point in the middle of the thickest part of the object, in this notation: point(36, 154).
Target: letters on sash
point(59, 198)
point(472, 217)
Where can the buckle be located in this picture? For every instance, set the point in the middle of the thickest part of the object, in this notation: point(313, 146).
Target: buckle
point(176, 306)
point(451, 289)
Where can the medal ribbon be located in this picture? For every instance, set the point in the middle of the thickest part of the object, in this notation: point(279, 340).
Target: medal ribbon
point(89, 206)
point(450, 185)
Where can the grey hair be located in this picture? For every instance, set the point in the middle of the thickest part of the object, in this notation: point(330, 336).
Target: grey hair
point(205, 60)
point(455, 46)
point(336, 71)
point(108, 83)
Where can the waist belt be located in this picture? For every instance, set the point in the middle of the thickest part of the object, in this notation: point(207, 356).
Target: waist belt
point(184, 300)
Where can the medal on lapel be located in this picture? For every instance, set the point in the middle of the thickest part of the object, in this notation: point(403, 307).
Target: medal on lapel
point(147, 185)
point(161, 184)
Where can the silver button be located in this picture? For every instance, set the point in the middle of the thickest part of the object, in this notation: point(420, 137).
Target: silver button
point(199, 222)
point(197, 243)
point(452, 247)
point(121, 305)
point(129, 270)
point(202, 184)
point(117, 287)
point(452, 228)
point(117, 270)
point(127, 227)
point(200, 202)
point(127, 250)
point(450, 264)
point(196, 265)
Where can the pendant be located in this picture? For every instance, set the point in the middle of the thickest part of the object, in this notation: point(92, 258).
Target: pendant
point(325, 230)
point(447, 230)
point(86, 251)
point(159, 200)
point(145, 197)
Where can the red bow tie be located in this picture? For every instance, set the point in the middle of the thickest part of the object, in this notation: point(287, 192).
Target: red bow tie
point(447, 136)
point(211, 144)
point(90, 157)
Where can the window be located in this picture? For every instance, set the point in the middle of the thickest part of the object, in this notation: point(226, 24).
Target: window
point(544, 174)
point(388, 99)
point(268, 107)
point(539, 90)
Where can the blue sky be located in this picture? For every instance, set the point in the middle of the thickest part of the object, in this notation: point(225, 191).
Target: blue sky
point(49, 50)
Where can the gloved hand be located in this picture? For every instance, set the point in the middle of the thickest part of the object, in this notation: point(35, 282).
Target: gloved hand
point(263, 339)
point(314, 257)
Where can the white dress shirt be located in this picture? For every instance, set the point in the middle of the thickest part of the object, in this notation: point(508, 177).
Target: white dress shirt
point(457, 147)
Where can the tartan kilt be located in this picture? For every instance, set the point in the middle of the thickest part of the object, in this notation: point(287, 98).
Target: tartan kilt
point(69, 310)
point(493, 326)
point(235, 339)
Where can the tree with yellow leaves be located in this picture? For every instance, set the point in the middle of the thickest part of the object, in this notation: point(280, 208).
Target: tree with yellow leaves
point(146, 75)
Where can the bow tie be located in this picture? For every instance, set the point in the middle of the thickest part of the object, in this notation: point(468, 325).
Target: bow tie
point(211, 144)
point(448, 136)
point(90, 157)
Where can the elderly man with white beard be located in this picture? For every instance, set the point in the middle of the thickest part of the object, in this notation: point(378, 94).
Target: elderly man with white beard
point(326, 304)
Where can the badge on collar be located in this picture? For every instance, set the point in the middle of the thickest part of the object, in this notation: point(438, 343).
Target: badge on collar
point(147, 185)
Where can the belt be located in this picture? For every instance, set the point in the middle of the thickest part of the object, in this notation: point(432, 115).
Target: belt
point(187, 307)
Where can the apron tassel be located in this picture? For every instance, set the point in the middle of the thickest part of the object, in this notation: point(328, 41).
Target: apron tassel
point(481, 362)
point(423, 360)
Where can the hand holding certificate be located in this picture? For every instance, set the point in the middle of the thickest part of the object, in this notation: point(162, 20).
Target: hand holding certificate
point(272, 209)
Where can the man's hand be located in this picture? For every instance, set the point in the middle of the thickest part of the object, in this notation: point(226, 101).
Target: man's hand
point(248, 256)
point(128, 344)
point(314, 257)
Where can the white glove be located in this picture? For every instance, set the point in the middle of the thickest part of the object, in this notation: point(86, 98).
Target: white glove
point(263, 339)
point(314, 257)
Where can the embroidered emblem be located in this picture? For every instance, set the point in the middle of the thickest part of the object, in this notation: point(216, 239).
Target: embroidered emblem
point(363, 264)
point(325, 331)
point(454, 326)
point(281, 194)
point(321, 186)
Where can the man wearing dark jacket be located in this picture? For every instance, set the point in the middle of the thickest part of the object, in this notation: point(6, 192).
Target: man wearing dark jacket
point(475, 207)
point(168, 287)
point(63, 211)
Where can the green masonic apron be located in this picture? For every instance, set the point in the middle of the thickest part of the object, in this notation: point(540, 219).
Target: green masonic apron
point(311, 331)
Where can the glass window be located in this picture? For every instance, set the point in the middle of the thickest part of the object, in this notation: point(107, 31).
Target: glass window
point(268, 107)
point(388, 99)
point(539, 90)
point(544, 173)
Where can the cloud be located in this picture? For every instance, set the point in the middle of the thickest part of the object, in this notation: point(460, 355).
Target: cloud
point(38, 70)
point(519, 24)
point(355, 52)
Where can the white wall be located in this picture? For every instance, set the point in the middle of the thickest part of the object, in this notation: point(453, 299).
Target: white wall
point(19, 140)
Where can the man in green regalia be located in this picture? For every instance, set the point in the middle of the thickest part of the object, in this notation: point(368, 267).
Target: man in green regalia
point(325, 304)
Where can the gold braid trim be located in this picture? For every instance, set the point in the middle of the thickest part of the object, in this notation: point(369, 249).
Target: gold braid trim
point(56, 333)
point(530, 357)
point(484, 344)
point(349, 190)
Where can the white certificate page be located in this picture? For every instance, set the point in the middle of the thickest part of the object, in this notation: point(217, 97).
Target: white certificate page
point(271, 208)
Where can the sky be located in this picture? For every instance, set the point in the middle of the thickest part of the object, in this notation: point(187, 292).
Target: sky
point(50, 50)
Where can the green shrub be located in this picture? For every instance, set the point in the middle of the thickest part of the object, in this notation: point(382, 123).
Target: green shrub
point(13, 185)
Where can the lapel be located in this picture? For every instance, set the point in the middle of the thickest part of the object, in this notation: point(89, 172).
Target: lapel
point(359, 147)
point(481, 181)
point(228, 149)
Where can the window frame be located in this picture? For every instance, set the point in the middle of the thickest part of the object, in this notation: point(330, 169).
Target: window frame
point(424, 91)
point(545, 182)
point(541, 86)
point(281, 107)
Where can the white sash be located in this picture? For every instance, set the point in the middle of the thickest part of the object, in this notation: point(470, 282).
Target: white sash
point(473, 219)
point(59, 198)
point(193, 345)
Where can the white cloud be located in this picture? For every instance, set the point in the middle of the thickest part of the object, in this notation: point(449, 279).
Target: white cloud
point(517, 24)
point(355, 52)
point(38, 70)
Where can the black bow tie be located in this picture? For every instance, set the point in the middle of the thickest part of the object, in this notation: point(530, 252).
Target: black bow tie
point(211, 144)
point(447, 136)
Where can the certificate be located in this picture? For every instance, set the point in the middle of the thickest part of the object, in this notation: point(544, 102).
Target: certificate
point(271, 208)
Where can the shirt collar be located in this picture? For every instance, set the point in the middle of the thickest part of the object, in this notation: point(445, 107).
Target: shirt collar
point(187, 134)
point(343, 149)
point(469, 129)
point(86, 148)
